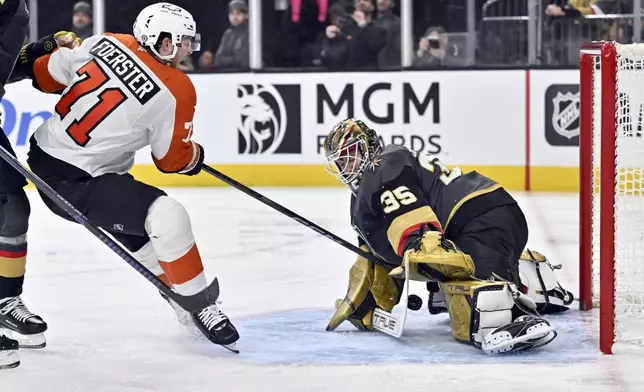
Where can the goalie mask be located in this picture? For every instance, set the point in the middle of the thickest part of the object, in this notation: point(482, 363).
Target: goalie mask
point(349, 148)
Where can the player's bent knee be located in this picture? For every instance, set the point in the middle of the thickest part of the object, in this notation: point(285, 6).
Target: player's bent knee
point(170, 231)
point(168, 225)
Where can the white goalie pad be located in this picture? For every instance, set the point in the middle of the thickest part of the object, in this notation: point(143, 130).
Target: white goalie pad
point(492, 305)
point(541, 284)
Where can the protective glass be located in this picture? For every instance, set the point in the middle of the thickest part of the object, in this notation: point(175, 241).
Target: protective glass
point(191, 43)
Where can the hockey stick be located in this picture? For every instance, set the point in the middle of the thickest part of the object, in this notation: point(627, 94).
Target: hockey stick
point(381, 320)
point(190, 303)
point(287, 212)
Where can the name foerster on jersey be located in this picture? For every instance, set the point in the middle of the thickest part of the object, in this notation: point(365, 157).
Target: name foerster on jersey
point(126, 70)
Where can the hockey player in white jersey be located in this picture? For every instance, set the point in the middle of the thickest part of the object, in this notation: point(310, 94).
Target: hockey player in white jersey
point(121, 93)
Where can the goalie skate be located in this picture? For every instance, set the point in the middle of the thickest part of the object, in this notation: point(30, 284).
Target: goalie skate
point(8, 353)
point(524, 333)
point(17, 322)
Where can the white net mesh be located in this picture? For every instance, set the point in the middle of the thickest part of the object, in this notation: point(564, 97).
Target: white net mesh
point(629, 194)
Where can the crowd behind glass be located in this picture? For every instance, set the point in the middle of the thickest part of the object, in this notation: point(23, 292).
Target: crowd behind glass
point(366, 34)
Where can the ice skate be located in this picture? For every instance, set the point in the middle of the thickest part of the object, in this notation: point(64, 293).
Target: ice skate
point(18, 323)
point(524, 333)
point(217, 327)
point(8, 353)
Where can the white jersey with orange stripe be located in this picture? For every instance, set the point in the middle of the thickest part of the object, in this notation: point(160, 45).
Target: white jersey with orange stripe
point(117, 99)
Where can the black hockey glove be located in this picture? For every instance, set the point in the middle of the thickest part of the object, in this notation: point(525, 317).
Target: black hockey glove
point(44, 46)
point(195, 170)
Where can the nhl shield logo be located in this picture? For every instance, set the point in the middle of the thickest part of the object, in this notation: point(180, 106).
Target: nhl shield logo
point(565, 116)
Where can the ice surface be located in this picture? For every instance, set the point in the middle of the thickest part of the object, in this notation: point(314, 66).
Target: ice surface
point(111, 331)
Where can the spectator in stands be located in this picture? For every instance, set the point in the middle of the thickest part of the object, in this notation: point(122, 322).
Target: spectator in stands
point(432, 50)
point(325, 52)
point(354, 41)
point(233, 48)
point(82, 20)
point(389, 56)
point(207, 61)
point(572, 8)
point(566, 28)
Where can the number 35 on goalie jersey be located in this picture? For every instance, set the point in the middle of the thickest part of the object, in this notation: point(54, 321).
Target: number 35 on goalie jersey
point(117, 99)
point(403, 192)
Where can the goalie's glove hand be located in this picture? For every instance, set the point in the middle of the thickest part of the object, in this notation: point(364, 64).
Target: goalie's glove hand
point(438, 257)
point(44, 46)
point(370, 287)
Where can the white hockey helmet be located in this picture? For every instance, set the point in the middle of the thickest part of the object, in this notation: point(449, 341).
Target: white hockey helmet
point(166, 18)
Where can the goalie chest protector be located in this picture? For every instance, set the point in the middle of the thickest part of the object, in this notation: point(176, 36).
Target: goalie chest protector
point(456, 198)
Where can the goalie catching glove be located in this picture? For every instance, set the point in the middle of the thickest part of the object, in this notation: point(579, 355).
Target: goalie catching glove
point(370, 287)
point(434, 257)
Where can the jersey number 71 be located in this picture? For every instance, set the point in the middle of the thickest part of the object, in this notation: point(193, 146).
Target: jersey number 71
point(108, 100)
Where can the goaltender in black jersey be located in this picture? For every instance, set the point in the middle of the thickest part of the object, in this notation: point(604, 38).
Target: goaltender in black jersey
point(463, 233)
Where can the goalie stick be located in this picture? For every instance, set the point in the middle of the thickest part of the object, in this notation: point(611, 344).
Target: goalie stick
point(191, 303)
point(381, 320)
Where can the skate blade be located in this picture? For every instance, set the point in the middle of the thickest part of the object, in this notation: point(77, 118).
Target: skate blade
point(232, 347)
point(9, 359)
point(34, 341)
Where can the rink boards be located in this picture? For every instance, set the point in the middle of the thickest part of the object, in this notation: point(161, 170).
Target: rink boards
point(520, 127)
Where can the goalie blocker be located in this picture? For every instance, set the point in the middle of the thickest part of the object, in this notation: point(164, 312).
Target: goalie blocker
point(446, 226)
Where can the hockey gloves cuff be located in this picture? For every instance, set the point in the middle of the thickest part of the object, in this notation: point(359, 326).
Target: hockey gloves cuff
point(44, 46)
point(198, 165)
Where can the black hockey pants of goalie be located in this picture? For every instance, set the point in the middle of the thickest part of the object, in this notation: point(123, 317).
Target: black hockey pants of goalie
point(495, 241)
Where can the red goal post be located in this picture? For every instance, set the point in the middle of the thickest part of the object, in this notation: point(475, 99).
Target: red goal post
point(611, 244)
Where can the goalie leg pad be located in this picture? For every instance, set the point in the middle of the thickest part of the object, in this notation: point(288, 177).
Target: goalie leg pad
point(476, 308)
point(168, 225)
point(481, 314)
point(540, 283)
point(370, 286)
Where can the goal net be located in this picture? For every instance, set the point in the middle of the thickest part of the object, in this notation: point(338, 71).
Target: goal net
point(612, 191)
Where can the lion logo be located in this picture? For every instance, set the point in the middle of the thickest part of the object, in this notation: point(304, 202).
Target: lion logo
point(263, 119)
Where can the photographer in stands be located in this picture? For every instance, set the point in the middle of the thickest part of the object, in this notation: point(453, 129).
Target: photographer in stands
point(433, 50)
point(354, 41)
